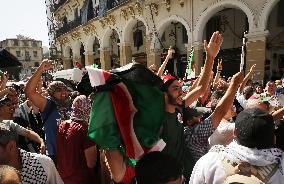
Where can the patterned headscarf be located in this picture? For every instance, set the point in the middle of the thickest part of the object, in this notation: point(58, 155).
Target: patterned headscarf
point(81, 108)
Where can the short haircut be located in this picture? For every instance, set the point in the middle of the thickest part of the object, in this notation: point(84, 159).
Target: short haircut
point(6, 168)
point(255, 129)
point(216, 97)
point(157, 168)
point(7, 134)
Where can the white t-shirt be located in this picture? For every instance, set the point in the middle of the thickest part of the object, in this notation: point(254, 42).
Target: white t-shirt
point(37, 168)
point(223, 135)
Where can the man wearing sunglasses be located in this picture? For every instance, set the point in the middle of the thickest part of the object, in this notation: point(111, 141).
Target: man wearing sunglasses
point(7, 110)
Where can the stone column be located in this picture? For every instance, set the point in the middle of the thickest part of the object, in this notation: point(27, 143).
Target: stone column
point(67, 63)
point(148, 49)
point(105, 58)
point(256, 48)
point(198, 56)
point(89, 58)
point(154, 57)
point(125, 53)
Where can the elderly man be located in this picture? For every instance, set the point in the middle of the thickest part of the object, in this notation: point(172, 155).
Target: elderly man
point(55, 106)
point(34, 168)
point(249, 159)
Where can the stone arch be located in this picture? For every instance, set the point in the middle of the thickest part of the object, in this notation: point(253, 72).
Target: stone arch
point(89, 42)
point(216, 7)
point(66, 51)
point(105, 39)
point(163, 25)
point(127, 31)
point(264, 16)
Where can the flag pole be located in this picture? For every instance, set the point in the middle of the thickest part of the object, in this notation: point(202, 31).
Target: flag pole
point(244, 52)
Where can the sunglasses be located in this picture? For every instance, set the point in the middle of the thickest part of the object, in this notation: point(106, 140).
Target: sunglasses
point(5, 101)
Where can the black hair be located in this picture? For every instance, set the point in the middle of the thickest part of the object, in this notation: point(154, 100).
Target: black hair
point(157, 168)
point(216, 97)
point(166, 85)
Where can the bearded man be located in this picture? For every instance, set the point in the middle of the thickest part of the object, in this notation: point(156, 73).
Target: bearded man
point(53, 107)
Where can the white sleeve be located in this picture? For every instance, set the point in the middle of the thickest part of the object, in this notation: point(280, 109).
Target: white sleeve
point(18, 128)
point(53, 176)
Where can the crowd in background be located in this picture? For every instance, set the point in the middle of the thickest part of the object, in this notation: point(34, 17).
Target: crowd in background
point(215, 130)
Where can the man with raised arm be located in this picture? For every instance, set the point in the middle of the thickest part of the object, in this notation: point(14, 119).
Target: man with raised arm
point(55, 106)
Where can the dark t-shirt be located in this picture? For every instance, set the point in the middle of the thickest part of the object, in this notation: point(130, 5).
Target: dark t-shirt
point(173, 135)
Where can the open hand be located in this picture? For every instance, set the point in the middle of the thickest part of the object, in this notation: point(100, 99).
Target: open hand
point(170, 53)
point(252, 68)
point(212, 49)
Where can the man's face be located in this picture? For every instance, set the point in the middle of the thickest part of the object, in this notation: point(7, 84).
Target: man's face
point(271, 87)
point(7, 111)
point(60, 93)
point(14, 97)
point(282, 81)
point(259, 89)
point(174, 94)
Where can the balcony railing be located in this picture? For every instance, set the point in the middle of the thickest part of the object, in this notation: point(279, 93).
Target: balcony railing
point(75, 23)
point(115, 3)
point(56, 6)
point(68, 27)
point(111, 4)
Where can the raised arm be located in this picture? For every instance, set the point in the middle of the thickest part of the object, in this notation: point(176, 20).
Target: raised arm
point(7, 91)
point(212, 49)
point(218, 73)
point(278, 114)
point(31, 88)
point(35, 137)
point(247, 77)
point(164, 64)
point(226, 101)
point(4, 80)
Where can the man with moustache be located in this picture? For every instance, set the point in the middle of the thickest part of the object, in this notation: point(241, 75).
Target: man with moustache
point(53, 107)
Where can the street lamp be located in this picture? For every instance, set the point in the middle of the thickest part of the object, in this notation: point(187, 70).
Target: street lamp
point(52, 52)
point(55, 55)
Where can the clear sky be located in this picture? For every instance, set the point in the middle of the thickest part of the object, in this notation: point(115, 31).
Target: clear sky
point(26, 17)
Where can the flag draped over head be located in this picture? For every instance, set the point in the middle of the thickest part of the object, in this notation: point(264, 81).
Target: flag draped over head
point(128, 109)
point(190, 62)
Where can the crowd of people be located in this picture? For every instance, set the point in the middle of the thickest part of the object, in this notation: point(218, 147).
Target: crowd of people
point(214, 130)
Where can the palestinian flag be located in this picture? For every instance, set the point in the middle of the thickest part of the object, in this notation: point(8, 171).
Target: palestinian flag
point(128, 109)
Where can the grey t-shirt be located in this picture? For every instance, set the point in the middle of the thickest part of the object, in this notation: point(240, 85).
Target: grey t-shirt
point(19, 129)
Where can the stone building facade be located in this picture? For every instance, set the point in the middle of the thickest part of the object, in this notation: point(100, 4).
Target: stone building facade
point(28, 51)
point(111, 32)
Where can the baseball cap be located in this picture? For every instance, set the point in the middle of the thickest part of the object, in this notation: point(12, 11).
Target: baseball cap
point(255, 128)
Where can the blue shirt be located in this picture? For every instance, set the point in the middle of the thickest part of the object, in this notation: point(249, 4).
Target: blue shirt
point(50, 126)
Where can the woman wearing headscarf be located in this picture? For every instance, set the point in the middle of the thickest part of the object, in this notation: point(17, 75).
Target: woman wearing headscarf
point(76, 153)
